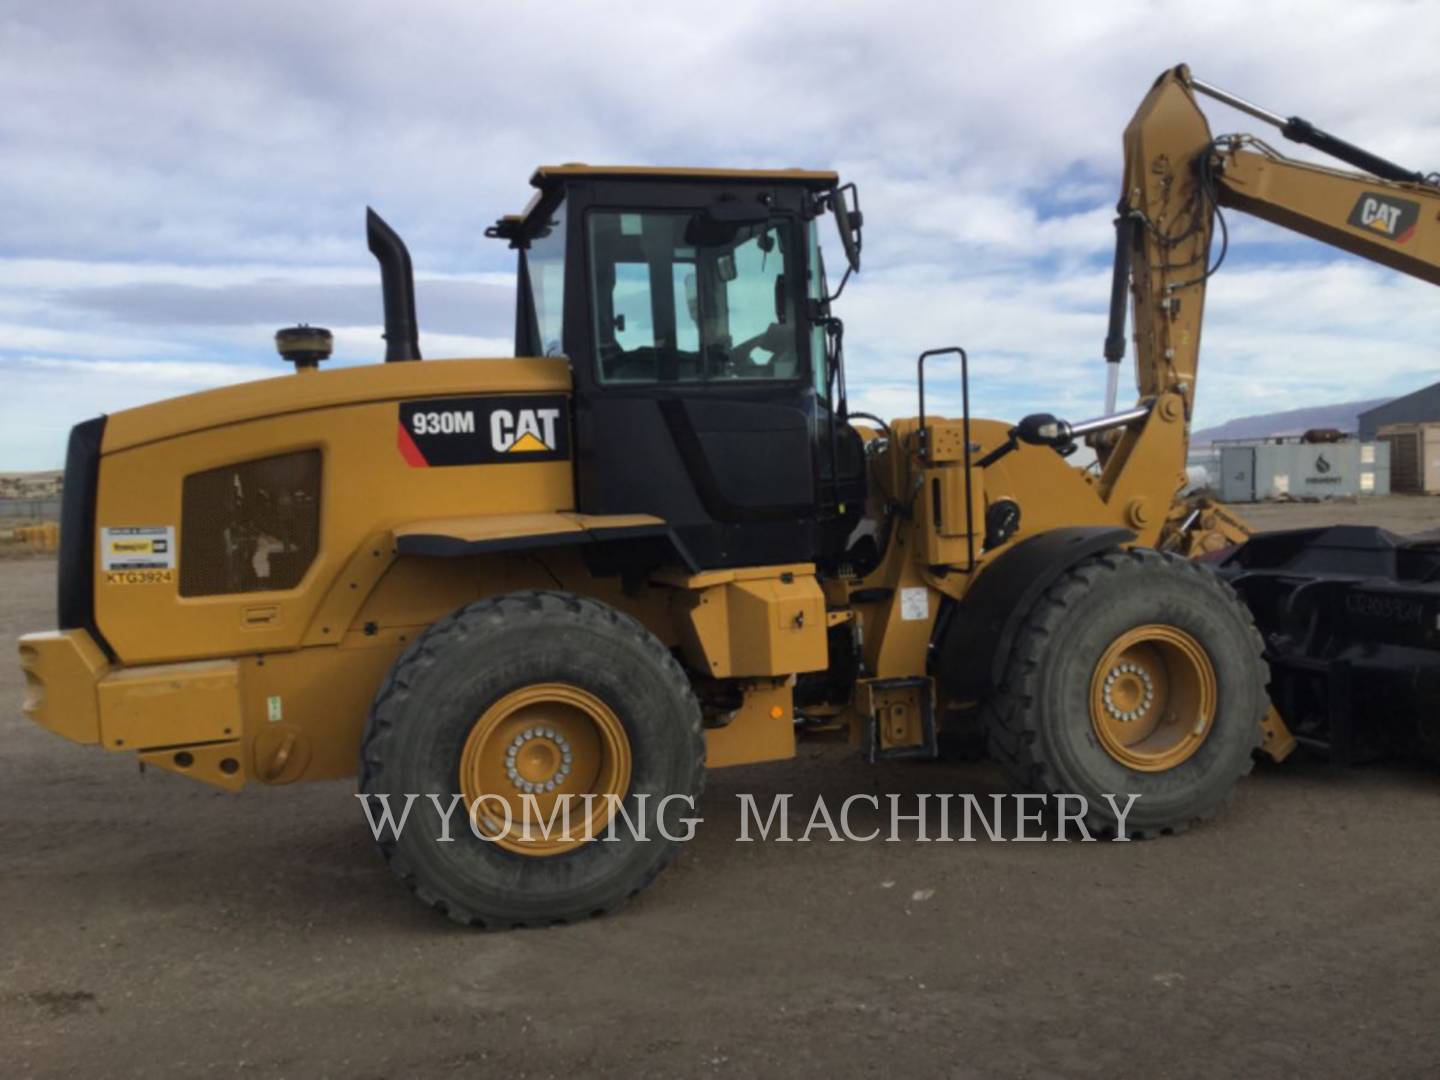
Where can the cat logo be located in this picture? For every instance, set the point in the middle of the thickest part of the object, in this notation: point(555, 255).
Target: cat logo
point(524, 431)
point(503, 429)
point(1386, 215)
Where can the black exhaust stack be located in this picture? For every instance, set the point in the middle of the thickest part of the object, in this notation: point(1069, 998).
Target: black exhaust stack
point(397, 284)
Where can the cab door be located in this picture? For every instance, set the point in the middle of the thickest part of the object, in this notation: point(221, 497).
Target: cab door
point(694, 398)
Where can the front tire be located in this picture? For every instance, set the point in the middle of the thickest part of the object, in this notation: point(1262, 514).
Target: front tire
point(541, 695)
point(1136, 673)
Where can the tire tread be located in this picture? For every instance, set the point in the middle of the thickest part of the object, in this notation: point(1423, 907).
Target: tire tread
point(1013, 727)
point(450, 633)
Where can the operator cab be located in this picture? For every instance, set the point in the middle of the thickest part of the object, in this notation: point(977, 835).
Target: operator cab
point(692, 307)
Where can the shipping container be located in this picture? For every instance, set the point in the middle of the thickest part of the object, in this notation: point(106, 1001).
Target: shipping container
point(1300, 470)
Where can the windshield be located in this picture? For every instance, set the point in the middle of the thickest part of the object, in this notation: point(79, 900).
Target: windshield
point(682, 298)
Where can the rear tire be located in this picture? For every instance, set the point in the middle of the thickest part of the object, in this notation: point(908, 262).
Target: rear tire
point(482, 667)
point(1069, 695)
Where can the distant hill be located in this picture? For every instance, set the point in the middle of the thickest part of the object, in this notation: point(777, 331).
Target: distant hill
point(1290, 422)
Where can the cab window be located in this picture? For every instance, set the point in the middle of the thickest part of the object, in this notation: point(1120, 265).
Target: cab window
point(544, 259)
point(682, 298)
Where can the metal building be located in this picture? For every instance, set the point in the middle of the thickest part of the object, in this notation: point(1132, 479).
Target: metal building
point(1301, 470)
point(1414, 457)
point(1415, 408)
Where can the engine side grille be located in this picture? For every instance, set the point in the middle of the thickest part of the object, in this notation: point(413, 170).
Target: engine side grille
point(250, 527)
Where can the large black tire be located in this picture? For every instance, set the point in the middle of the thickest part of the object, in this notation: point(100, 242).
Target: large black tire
point(1039, 724)
point(456, 670)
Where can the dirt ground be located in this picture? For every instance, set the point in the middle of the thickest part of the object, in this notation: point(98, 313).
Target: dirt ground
point(1398, 513)
point(149, 925)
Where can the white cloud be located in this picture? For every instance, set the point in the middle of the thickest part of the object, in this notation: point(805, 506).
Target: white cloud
point(175, 173)
point(46, 395)
point(20, 337)
point(61, 274)
point(167, 374)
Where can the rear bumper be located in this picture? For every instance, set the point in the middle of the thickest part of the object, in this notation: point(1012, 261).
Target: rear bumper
point(62, 671)
point(182, 717)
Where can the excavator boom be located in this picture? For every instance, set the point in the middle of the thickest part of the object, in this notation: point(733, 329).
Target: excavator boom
point(1178, 179)
point(1342, 610)
point(1379, 220)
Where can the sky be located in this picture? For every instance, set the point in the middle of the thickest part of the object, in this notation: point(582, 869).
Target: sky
point(181, 179)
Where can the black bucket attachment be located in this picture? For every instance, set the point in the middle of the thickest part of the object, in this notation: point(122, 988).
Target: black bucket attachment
point(1351, 620)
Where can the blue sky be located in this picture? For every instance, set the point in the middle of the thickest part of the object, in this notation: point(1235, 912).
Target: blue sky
point(181, 179)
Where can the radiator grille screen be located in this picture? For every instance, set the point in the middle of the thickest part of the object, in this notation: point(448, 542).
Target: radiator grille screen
point(251, 527)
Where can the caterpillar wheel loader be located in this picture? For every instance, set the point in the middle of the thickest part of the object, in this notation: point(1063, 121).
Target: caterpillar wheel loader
point(659, 541)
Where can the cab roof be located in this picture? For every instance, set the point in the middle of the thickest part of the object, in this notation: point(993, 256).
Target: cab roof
point(546, 175)
point(548, 179)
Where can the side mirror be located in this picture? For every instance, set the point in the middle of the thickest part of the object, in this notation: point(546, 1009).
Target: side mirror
point(848, 219)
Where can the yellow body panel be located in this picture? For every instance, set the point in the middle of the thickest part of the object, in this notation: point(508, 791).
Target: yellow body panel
point(762, 729)
point(170, 704)
point(756, 621)
point(368, 489)
point(304, 711)
point(330, 389)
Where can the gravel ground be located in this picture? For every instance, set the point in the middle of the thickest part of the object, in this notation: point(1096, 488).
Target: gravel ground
point(1398, 513)
point(153, 926)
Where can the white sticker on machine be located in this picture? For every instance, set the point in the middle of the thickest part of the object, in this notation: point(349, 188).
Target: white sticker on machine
point(142, 547)
point(914, 604)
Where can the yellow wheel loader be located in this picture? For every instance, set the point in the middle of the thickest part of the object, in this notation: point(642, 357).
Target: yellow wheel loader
point(658, 541)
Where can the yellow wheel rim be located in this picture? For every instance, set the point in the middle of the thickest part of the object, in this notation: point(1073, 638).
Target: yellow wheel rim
point(555, 744)
point(1152, 698)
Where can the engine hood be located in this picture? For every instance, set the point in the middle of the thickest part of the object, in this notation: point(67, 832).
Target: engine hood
point(325, 389)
